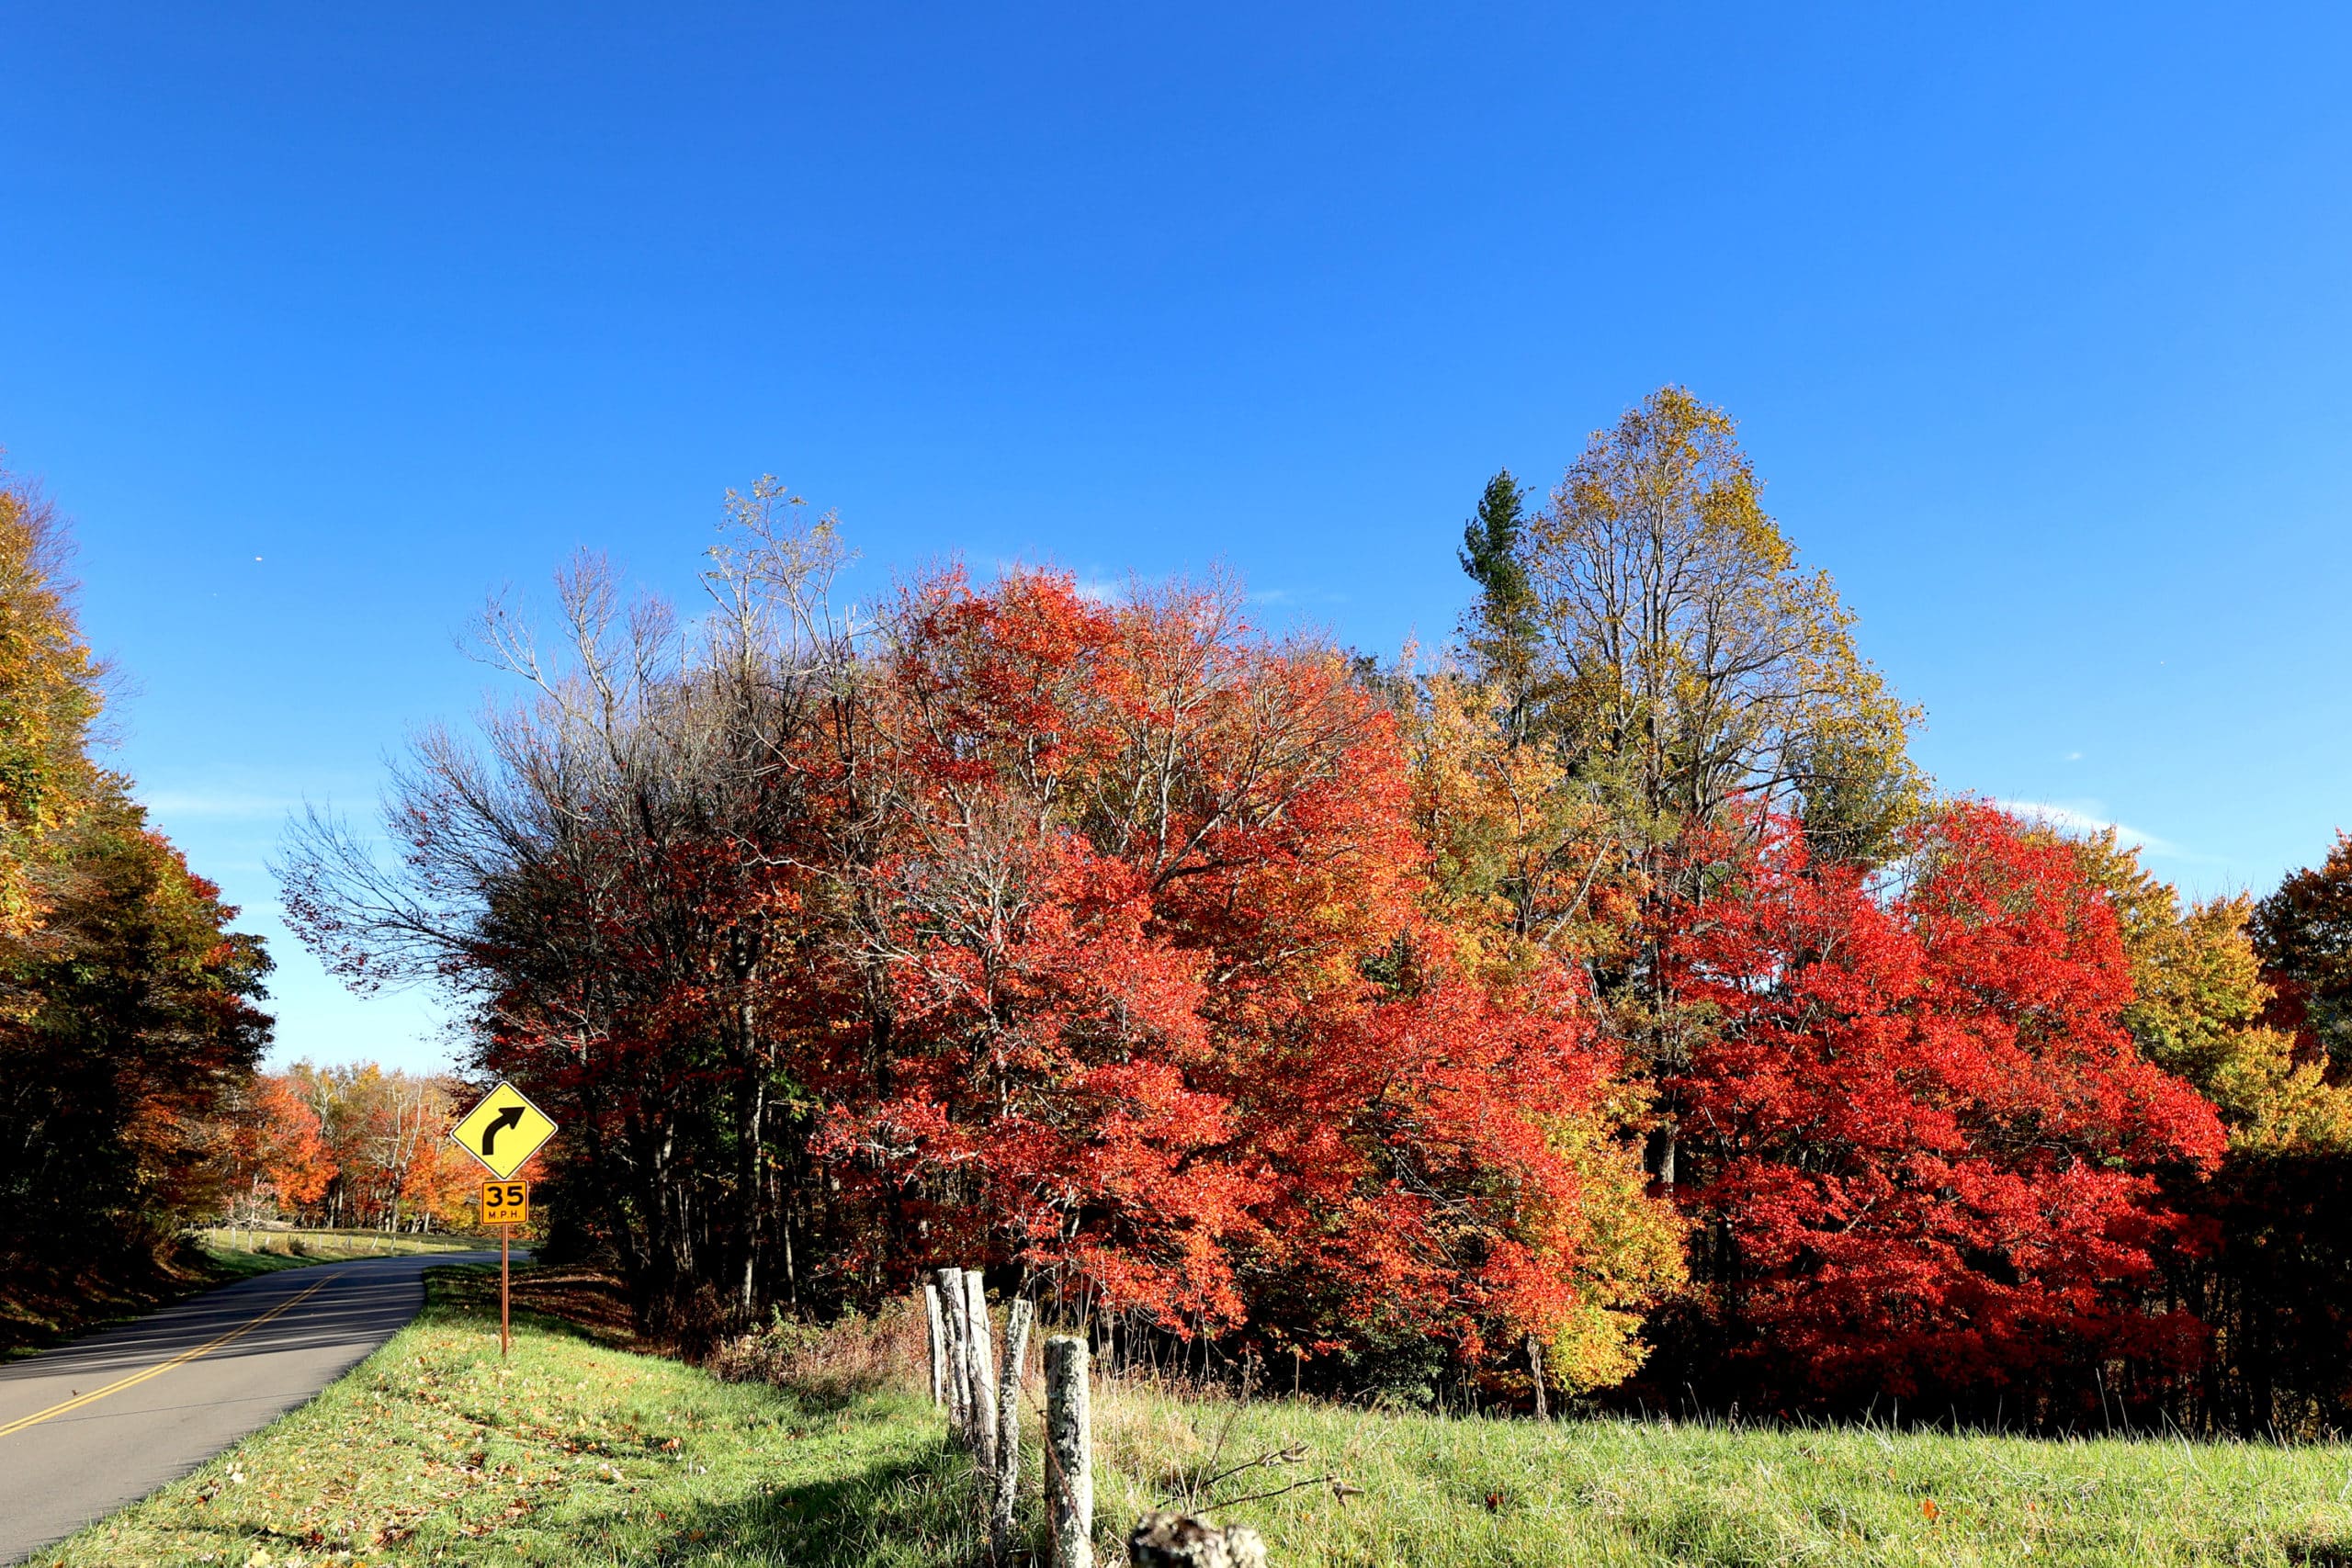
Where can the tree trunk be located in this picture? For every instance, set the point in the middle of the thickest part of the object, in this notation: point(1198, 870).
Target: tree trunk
point(753, 1178)
point(1664, 1147)
point(754, 1187)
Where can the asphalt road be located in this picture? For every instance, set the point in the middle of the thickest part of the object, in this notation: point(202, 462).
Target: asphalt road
point(101, 1422)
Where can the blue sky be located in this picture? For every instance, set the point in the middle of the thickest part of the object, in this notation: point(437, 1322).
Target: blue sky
point(323, 323)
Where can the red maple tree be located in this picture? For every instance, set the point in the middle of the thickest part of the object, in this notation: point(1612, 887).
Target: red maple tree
point(1927, 1150)
point(1165, 1021)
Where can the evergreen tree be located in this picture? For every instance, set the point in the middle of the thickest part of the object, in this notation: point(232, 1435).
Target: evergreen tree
point(1499, 629)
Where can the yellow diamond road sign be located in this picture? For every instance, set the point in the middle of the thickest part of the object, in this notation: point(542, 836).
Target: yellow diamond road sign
point(504, 1131)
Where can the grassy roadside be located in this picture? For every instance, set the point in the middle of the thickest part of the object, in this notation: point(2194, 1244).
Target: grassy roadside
point(576, 1451)
point(230, 1265)
point(38, 1309)
point(239, 1247)
point(582, 1450)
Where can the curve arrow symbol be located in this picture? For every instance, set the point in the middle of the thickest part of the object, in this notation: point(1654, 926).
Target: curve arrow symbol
point(510, 1117)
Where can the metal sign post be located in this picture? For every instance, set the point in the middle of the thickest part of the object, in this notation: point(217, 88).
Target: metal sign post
point(502, 1133)
point(505, 1205)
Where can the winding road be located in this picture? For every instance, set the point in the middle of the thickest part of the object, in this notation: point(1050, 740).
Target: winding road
point(91, 1426)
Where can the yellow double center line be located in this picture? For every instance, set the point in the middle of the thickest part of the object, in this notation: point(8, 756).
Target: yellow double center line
point(160, 1368)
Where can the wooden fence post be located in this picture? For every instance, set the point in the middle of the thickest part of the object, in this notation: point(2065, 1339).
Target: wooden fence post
point(1008, 1432)
point(938, 1347)
point(984, 1383)
point(959, 1381)
point(1069, 1492)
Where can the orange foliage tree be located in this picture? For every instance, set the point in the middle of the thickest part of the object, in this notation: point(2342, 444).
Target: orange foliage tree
point(1171, 1027)
point(279, 1160)
point(385, 1137)
point(1229, 987)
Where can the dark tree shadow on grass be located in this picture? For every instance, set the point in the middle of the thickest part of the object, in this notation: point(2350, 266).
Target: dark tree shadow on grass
point(883, 1515)
point(576, 1303)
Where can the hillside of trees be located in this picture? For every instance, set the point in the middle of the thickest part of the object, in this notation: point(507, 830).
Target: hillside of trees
point(1611, 1001)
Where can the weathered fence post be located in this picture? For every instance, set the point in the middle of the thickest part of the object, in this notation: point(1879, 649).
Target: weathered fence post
point(959, 1381)
point(938, 1347)
point(1536, 1367)
point(983, 1372)
point(1179, 1540)
point(1070, 1491)
point(1008, 1433)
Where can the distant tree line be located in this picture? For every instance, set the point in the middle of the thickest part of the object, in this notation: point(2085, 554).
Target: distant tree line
point(350, 1146)
point(1611, 1001)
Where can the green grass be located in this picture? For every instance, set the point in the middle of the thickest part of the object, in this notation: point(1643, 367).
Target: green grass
point(579, 1451)
point(573, 1453)
point(1478, 1491)
point(297, 1247)
point(229, 1265)
point(41, 1308)
point(232, 1254)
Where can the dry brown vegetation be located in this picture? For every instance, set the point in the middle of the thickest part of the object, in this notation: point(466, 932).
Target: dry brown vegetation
point(834, 1364)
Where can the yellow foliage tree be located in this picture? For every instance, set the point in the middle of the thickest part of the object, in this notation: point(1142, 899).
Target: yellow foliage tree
point(1632, 1256)
point(2197, 998)
point(1515, 852)
point(1513, 857)
point(1647, 659)
point(49, 695)
point(1689, 665)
